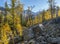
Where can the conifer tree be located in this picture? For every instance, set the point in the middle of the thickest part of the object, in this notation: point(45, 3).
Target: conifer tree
point(43, 16)
point(6, 10)
point(57, 9)
point(52, 7)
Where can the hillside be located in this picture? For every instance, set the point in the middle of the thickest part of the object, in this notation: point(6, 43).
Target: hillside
point(48, 33)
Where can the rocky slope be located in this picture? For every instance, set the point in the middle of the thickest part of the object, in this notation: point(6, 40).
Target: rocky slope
point(49, 33)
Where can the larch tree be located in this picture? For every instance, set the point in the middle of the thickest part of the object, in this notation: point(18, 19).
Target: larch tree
point(19, 14)
point(30, 15)
point(12, 12)
point(43, 16)
point(57, 9)
point(52, 7)
point(5, 27)
point(1, 23)
point(20, 11)
point(17, 17)
point(6, 10)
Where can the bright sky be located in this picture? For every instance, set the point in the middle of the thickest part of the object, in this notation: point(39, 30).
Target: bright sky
point(39, 4)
